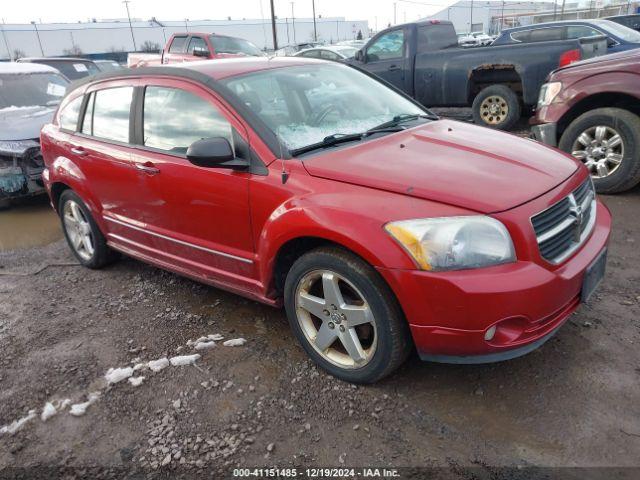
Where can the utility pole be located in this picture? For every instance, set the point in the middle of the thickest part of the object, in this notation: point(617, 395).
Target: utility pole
point(273, 27)
point(471, 19)
point(133, 38)
point(315, 31)
point(502, 17)
point(555, 10)
point(6, 42)
point(395, 10)
point(562, 11)
point(38, 35)
point(186, 24)
point(293, 24)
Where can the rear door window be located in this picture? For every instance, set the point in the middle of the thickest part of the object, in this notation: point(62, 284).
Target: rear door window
point(547, 34)
point(174, 119)
point(111, 109)
point(177, 45)
point(522, 36)
point(69, 114)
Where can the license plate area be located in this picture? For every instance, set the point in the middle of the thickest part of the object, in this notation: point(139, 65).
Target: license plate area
point(593, 275)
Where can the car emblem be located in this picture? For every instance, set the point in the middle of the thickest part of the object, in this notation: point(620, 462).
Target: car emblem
point(577, 212)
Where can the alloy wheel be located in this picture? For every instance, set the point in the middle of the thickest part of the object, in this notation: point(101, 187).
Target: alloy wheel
point(78, 230)
point(601, 149)
point(494, 110)
point(336, 319)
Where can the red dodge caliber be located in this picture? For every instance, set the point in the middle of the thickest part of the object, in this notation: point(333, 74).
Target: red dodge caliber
point(311, 184)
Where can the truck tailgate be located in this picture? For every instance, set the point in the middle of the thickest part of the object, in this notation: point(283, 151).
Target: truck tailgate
point(593, 46)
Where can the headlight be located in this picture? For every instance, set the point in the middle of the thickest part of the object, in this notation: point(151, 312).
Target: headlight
point(454, 243)
point(548, 92)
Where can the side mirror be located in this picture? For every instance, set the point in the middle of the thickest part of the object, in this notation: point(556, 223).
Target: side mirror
point(359, 56)
point(200, 52)
point(214, 152)
point(611, 42)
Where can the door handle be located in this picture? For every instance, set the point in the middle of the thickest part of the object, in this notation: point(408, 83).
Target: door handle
point(393, 68)
point(147, 167)
point(81, 152)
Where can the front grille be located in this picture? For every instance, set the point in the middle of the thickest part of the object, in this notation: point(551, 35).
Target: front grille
point(563, 227)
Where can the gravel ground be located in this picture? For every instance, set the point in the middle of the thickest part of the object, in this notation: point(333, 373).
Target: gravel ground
point(574, 402)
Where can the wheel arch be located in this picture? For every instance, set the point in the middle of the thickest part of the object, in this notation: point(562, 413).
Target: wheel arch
point(620, 100)
point(57, 189)
point(494, 74)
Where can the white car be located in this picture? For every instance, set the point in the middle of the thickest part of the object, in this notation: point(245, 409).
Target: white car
point(330, 52)
point(29, 95)
point(475, 39)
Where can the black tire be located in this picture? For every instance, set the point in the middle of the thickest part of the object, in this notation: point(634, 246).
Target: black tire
point(510, 100)
point(627, 124)
point(393, 338)
point(102, 254)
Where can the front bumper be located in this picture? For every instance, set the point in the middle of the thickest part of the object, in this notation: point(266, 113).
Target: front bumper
point(449, 313)
point(546, 133)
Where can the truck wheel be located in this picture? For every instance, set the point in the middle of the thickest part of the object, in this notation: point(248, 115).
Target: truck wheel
point(345, 316)
point(82, 233)
point(496, 107)
point(607, 141)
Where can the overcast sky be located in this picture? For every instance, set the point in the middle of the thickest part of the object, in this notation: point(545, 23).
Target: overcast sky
point(380, 11)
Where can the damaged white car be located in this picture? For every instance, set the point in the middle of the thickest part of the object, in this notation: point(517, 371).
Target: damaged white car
point(29, 95)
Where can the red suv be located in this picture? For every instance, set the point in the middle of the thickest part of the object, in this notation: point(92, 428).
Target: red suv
point(312, 184)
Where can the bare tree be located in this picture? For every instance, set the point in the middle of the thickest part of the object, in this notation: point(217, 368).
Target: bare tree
point(150, 47)
point(114, 49)
point(75, 51)
point(17, 53)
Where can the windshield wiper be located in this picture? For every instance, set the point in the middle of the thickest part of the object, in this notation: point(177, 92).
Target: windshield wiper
point(398, 119)
point(328, 141)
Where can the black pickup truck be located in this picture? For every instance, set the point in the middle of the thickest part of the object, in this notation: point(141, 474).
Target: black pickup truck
point(423, 60)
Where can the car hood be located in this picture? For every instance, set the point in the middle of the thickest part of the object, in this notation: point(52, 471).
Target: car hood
point(20, 123)
point(450, 162)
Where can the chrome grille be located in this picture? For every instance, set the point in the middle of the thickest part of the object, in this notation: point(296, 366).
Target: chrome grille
point(563, 227)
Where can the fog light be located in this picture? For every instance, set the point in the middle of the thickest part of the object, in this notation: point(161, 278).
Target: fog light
point(488, 336)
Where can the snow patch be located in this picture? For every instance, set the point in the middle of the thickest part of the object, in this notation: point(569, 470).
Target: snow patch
point(115, 375)
point(139, 366)
point(157, 365)
point(48, 411)
point(184, 360)
point(136, 381)
point(204, 345)
point(215, 337)
point(235, 342)
point(78, 409)
point(16, 425)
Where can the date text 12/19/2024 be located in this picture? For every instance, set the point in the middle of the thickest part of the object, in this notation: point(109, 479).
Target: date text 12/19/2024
point(316, 473)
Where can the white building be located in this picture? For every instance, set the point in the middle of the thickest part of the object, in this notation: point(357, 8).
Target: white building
point(475, 16)
point(55, 39)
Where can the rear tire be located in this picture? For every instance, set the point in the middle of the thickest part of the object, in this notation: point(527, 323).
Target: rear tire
point(497, 107)
point(614, 162)
point(362, 336)
point(82, 233)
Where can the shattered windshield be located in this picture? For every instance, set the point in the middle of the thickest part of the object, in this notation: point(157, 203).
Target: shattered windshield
point(21, 90)
point(305, 104)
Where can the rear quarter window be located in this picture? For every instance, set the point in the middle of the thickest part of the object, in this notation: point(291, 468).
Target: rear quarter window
point(69, 114)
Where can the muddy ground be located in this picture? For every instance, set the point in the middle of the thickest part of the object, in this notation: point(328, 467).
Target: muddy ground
point(575, 402)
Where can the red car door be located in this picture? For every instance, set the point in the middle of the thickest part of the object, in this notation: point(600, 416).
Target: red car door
point(101, 148)
point(193, 217)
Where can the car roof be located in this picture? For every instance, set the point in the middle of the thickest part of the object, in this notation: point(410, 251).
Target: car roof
point(559, 23)
point(230, 67)
point(57, 59)
point(16, 67)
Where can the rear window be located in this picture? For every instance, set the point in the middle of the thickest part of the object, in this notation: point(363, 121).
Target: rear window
point(69, 114)
point(177, 45)
point(73, 70)
point(436, 37)
point(111, 109)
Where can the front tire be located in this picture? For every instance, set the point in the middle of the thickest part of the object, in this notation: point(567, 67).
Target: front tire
point(496, 106)
point(607, 141)
point(345, 316)
point(82, 233)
